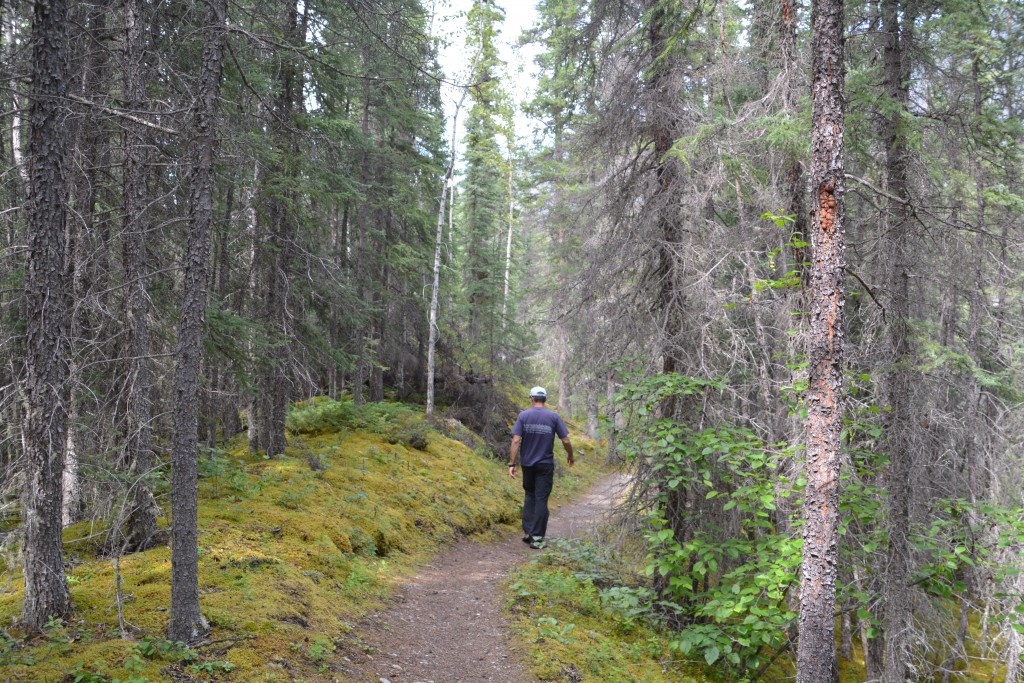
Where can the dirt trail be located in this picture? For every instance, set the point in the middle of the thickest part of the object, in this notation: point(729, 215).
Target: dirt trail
point(447, 626)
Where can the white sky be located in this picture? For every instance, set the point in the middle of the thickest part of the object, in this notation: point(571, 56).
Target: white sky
point(450, 27)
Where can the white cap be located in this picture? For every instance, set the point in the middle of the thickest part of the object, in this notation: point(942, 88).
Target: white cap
point(538, 392)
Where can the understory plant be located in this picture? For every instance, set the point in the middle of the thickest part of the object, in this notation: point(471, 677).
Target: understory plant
point(724, 583)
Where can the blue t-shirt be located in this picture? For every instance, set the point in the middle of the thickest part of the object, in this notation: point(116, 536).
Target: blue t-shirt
point(537, 427)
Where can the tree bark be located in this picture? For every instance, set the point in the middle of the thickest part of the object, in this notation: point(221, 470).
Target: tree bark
point(564, 390)
point(273, 381)
point(221, 407)
point(899, 428)
point(508, 237)
point(46, 362)
point(140, 523)
point(432, 330)
point(664, 89)
point(846, 636)
point(816, 653)
point(435, 288)
point(88, 140)
point(186, 622)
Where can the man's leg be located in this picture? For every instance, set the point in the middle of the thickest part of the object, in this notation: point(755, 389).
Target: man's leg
point(543, 481)
point(529, 502)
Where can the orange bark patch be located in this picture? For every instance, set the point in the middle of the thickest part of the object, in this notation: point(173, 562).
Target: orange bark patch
point(827, 207)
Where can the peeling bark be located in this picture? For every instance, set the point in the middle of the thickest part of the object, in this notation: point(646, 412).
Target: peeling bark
point(816, 653)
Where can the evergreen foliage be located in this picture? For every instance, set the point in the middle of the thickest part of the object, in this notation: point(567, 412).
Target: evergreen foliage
point(649, 255)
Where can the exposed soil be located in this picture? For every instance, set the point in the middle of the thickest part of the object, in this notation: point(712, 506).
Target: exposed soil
point(447, 626)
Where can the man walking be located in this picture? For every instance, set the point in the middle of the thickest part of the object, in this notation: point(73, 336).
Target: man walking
point(533, 442)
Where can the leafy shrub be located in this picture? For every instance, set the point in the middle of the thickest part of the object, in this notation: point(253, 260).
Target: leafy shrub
point(151, 648)
point(550, 630)
point(726, 585)
point(630, 605)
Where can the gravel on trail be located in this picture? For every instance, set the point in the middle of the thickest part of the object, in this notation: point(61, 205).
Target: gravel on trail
point(446, 624)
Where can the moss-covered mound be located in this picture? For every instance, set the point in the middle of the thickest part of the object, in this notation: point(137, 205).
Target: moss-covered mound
point(292, 552)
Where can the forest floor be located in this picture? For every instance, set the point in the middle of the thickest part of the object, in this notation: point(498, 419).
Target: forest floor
point(295, 552)
point(447, 625)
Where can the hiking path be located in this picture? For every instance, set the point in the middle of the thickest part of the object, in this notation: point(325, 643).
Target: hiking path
point(446, 624)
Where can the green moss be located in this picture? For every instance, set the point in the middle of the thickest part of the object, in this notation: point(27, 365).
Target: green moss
point(979, 668)
point(555, 608)
point(288, 551)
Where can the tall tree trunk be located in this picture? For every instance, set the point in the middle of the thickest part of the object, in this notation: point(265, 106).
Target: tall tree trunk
point(816, 653)
point(975, 464)
point(140, 525)
point(89, 140)
point(379, 332)
point(435, 288)
point(900, 423)
point(220, 407)
point(508, 237)
point(432, 329)
point(186, 622)
point(79, 237)
point(46, 589)
point(273, 381)
point(1014, 649)
point(564, 388)
point(593, 405)
point(359, 378)
point(663, 107)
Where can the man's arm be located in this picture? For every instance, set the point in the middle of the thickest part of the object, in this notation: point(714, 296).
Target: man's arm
point(513, 454)
point(568, 450)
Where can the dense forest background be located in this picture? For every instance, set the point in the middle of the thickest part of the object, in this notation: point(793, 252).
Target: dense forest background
point(211, 211)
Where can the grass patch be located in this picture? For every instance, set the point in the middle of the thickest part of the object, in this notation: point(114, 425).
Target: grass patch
point(293, 551)
point(569, 606)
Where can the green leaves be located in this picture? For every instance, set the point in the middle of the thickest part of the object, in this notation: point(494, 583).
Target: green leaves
point(729, 588)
